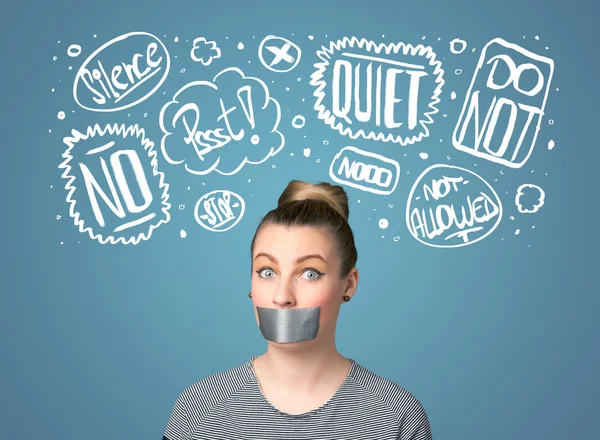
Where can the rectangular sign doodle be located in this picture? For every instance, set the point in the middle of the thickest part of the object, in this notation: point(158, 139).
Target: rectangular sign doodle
point(507, 94)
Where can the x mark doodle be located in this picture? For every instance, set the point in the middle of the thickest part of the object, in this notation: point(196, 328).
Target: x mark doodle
point(281, 53)
point(284, 54)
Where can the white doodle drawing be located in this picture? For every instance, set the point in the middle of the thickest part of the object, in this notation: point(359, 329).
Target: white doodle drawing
point(400, 83)
point(461, 43)
point(476, 132)
point(103, 85)
point(221, 125)
point(551, 144)
point(298, 121)
point(219, 210)
point(98, 155)
point(204, 51)
point(449, 207)
point(282, 53)
point(539, 196)
point(364, 170)
point(74, 50)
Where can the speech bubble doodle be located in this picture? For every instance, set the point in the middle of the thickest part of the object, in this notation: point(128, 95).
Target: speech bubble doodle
point(103, 85)
point(513, 92)
point(221, 125)
point(114, 188)
point(449, 207)
point(201, 45)
point(538, 194)
point(219, 210)
point(401, 82)
point(364, 170)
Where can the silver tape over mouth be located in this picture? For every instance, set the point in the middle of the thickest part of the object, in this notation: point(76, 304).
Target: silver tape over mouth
point(289, 325)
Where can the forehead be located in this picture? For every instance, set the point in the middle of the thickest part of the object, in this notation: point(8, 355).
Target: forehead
point(289, 243)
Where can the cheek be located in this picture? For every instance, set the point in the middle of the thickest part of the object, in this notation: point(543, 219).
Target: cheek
point(327, 300)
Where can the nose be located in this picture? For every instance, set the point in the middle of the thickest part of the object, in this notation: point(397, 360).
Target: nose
point(284, 296)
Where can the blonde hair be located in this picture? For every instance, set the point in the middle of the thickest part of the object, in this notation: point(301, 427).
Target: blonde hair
point(319, 205)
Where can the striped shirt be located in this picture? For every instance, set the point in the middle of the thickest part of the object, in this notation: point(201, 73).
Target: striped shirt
point(230, 405)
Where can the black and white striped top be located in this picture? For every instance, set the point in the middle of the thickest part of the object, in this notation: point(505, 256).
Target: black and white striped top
point(230, 406)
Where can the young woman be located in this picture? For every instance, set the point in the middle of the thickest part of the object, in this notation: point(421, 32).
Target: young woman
point(303, 270)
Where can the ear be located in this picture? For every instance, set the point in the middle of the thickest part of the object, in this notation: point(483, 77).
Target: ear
point(351, 282)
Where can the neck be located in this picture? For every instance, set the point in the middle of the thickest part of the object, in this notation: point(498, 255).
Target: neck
point(303, 367)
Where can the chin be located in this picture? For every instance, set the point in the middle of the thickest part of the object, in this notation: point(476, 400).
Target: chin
point(292, 344)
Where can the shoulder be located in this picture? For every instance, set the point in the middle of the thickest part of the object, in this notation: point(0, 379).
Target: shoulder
point(196, 401)
point(201, 396)
point(407, 409)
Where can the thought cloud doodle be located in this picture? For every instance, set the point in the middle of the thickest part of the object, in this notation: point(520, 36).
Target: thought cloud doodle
point(219, 210)
point(533, 193)
point(204, 51)
point(507, 94)
point(366, 171)
point(114, 188)
point(221, 125)
point(121, 73)
point(449, 207)
point(401, 84)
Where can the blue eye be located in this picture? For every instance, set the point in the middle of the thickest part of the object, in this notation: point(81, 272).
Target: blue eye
point(260, 271)
point(316, 272)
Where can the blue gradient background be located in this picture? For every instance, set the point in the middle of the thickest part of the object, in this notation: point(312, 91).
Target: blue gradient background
point(497, 340)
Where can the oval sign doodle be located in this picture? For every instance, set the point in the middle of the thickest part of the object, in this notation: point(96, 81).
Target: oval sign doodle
point(449, 206)
point(219, 210)
point(118, 76)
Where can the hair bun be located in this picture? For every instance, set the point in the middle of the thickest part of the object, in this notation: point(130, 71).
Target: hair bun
point(333, 194)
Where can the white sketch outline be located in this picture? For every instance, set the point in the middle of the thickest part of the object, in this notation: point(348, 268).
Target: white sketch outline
point(291, 43)
point(453, 43)
point(268, 99)
point(132, 130)
point(205, 196)
point(536, 207)
point(407, 49)
point(214, 47)
point(104, 46)
point(482, 59)
point(74, 50)
point(383, 159)
point(301, 123)
point(419, 180)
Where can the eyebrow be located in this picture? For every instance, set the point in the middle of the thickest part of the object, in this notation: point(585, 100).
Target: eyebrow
point(299, 260)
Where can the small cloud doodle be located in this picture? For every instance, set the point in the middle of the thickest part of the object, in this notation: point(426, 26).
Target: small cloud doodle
point(532, 193)
point(204, 51)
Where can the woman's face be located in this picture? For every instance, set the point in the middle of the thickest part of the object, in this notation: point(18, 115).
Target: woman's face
point(298, 267)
